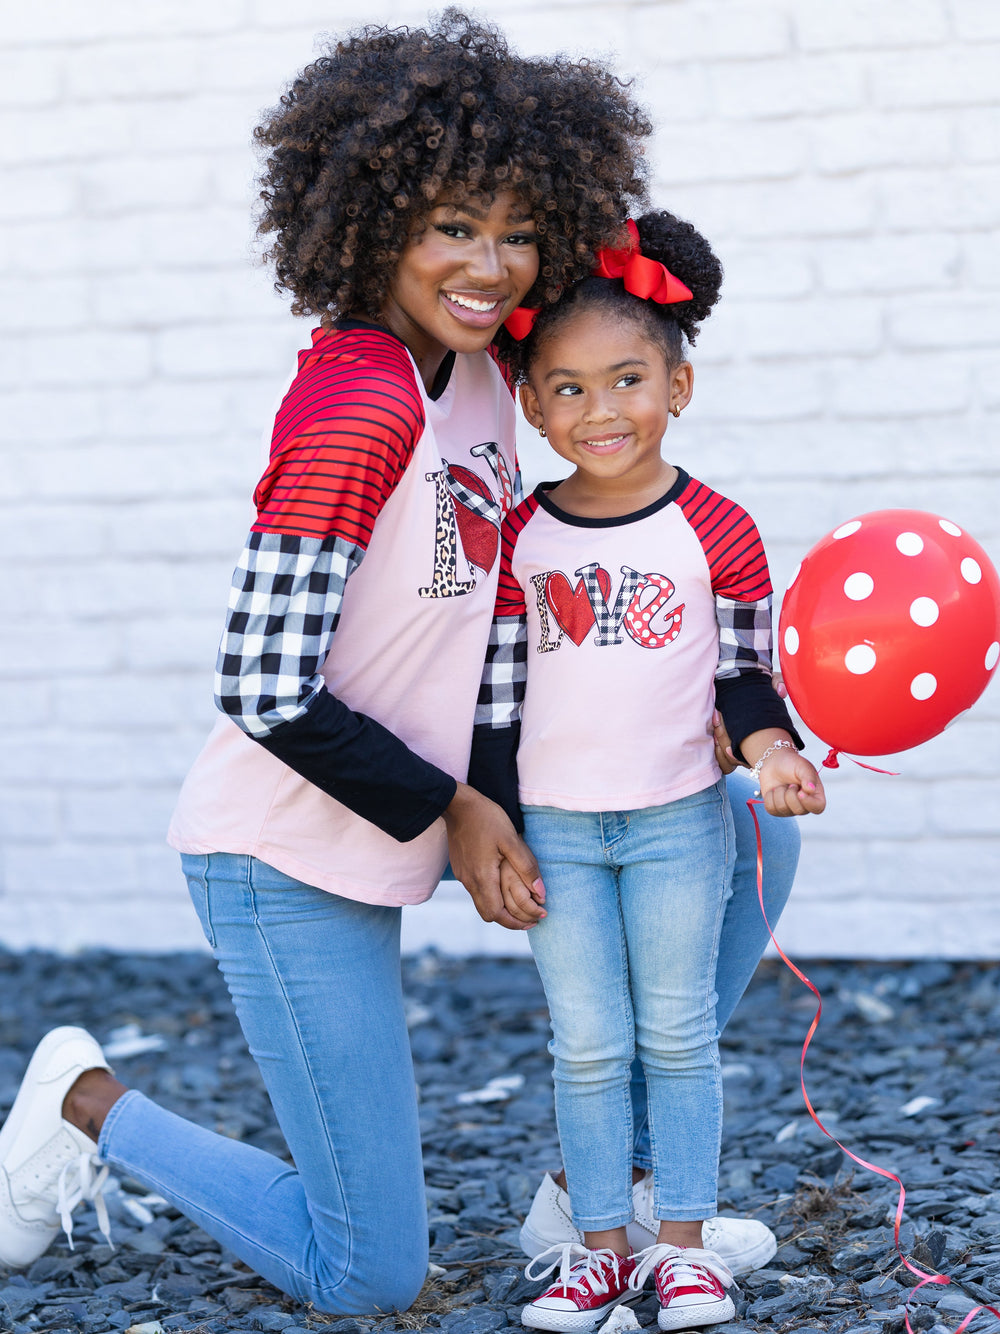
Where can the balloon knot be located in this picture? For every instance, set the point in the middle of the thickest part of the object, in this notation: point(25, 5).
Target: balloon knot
point(831, 761)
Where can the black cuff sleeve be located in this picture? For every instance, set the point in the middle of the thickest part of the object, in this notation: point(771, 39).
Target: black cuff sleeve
point(363, 765)
point(493, 768)
point(749, 703)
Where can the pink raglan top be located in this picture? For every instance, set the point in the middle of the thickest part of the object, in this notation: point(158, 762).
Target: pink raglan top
point(358, 622)
point(612, 641)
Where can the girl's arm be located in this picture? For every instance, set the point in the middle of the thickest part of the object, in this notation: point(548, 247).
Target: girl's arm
point(754, 715)
point(756, 718)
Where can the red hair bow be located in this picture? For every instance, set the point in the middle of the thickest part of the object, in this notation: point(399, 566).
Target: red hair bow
point(645, 278)
point(520, 322)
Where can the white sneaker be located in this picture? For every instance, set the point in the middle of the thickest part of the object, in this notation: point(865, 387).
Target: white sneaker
point(743, 1244)
point(47, 1166)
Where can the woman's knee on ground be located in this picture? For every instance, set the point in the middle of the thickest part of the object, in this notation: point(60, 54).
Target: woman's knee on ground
point(377, 1286)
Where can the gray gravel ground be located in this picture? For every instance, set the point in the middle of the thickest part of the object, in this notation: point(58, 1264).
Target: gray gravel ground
point(905, 1069)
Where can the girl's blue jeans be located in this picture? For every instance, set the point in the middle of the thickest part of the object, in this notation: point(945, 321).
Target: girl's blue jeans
point(627, 955)
point(744, 934)
point(316, 983)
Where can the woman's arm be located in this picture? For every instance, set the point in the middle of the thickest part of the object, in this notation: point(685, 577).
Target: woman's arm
point(343, 438)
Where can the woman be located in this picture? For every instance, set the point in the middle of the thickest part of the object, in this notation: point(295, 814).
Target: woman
point(420, 185)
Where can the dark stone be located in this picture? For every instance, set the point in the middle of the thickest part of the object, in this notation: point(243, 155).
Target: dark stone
point(480, 1320)
point(480, 1018)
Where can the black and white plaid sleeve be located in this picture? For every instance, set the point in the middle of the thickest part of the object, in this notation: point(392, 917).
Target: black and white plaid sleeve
point(284, 606)
point(744, 694)
point(744, 636)
point(497, 730)
point(501, 691)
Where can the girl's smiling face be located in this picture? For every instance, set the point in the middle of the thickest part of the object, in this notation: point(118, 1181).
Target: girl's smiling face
point(460, 276)
point(603, 393)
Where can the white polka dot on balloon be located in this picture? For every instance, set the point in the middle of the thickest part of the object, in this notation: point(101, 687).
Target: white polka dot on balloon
point(846, 529)
point(971, 570)
point(909, 544)
point(992, 656)
point(950, 528)
point(924, 611)
point(923, 686)
point(859, 659)
point(791, 640)
point(859, 586)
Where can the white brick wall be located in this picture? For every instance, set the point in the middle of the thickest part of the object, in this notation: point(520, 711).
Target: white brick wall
point(845, 159)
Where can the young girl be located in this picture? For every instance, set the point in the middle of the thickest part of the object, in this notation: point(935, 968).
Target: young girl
point(632, 599)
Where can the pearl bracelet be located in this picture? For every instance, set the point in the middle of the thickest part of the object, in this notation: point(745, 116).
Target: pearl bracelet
point(776, 745)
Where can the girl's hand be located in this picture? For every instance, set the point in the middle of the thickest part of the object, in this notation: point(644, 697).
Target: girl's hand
point(493, 862)
point(790, 785)
point(522, 903)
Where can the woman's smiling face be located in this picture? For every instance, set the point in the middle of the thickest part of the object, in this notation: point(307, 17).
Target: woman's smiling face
point(460, 276)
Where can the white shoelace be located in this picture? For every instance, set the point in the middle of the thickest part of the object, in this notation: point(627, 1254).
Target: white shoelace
point(688, 1269)
point(585, 1275)
point(78, 1181)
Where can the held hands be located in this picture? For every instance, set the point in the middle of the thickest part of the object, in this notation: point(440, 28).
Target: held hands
point(493, 862)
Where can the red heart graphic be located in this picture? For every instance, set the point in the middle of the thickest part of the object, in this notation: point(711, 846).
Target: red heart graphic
point(480, 540)
point(571, 606)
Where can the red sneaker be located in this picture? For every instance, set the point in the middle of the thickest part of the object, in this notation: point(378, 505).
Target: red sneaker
point(690, 1283)
point(586, 1291)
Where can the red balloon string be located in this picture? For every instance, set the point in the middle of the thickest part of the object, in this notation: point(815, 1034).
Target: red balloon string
point(924, 1277)
point(832, 762)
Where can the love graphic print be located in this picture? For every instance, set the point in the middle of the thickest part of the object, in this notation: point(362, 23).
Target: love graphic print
point(640, 608)
point(466, 512)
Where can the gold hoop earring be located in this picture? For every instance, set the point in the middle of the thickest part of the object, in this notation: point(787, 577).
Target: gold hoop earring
point(676, 410)
point(541, 431)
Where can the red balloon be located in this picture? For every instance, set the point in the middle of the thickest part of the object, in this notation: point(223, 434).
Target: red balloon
point(889, 629)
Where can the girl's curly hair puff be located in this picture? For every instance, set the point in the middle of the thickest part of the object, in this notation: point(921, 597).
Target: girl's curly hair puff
point(684, 251)
point(368, 136)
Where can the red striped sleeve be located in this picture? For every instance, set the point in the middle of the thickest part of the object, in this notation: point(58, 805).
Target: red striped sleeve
point(342, 438)
point(730, 541)
point(510, 595)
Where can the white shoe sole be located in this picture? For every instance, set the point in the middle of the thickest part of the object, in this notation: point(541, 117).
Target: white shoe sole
point(543, 1318)
point(684, 1317)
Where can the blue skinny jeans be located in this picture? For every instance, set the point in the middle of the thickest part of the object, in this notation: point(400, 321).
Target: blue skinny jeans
point(316, 984)
point(627, 955)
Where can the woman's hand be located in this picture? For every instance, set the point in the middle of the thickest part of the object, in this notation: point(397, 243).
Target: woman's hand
point(724, 756)
point(493, 863)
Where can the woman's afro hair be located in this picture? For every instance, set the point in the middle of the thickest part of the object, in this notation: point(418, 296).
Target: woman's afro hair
point(368, 137)
point(676, 244)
